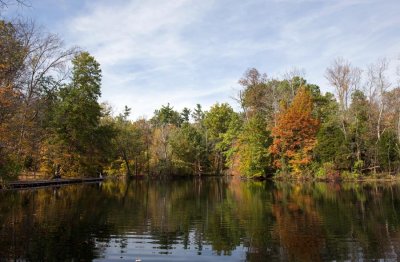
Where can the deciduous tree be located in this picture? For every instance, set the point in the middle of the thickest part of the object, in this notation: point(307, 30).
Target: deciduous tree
point(294, 136)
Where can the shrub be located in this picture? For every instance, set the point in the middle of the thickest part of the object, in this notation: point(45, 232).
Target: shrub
point(347, 175)
point(327, 172)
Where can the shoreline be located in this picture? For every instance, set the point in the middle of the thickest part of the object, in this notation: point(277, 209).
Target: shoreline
point(311, 180)
point(26, 184)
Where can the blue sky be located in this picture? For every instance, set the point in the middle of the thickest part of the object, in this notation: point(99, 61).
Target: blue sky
point(194, 51)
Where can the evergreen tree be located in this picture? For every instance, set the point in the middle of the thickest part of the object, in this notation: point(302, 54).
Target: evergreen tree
point(80, 138)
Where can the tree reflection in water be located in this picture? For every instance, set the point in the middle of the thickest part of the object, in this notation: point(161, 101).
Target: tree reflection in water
point(212, 219)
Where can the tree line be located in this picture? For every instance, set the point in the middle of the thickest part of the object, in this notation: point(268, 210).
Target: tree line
point(51, 119)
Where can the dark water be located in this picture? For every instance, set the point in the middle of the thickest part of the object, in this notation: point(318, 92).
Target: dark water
point(202, 220)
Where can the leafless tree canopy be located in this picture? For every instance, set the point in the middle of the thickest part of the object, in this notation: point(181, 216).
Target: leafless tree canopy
point(6, 3)
point(252, 77)
point(290, 75)
point(46, 56)
point(35, 63)
point(378, 85)
point(344, 78)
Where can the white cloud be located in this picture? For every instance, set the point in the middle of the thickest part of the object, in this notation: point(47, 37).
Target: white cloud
point(188, 51)
point(136, 30)
point(138, 42)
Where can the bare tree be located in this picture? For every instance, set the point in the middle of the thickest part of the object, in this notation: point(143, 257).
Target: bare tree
point(345, 79)
point(398, 86)
point(46, 58)
point(252, 77)
point(378, 85)
point(290, 77)
point(398, 73)
point(238, 97)
point(6, 3)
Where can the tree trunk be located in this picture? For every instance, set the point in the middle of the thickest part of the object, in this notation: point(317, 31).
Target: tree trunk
point(128, 169)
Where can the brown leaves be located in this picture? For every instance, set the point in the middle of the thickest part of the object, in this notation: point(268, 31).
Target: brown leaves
point(295, 134)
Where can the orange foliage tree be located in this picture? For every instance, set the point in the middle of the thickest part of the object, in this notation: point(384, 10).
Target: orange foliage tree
point(294, 135)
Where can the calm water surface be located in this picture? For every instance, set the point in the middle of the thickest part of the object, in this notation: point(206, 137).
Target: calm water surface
point(202, 220)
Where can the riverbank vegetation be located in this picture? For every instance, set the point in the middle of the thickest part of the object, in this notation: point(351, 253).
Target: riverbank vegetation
point(51, 117)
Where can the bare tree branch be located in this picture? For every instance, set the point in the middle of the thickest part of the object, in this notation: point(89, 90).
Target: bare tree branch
point(378, 84)
point(291, 74)
point(345, 79)
point(45, 61)
point(6, 3)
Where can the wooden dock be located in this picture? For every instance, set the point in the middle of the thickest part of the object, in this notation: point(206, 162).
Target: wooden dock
point(51, 182)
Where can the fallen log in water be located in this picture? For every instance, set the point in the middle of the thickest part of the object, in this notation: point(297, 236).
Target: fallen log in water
point(51, 182)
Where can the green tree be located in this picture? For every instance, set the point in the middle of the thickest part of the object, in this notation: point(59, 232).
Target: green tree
point(165, 120)
point(388, 151)
point(189, 150)
point(128, 145)
point(12, 53)
point(331, 144)
point(79, 136)
point(198, 114)
point(251, 149)
point(217, 123)
point(185, 115)
point(359, 133)
point(166, 115)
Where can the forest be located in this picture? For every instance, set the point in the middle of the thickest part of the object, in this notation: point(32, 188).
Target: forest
point(51, 118)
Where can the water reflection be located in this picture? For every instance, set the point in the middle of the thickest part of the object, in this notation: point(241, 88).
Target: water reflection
point(206, 219)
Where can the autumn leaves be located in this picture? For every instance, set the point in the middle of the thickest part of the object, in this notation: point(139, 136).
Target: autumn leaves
point(294, 136)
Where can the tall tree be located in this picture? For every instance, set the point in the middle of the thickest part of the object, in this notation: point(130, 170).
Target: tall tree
point(345, 79)
point(378, 84)
point(124, 139)
point(294, 136)
point(251, 157)
point(77, 116)
point(218, 122)
point(31, 65)
point(46, 57)
point(254, 96)
point(185, 115)
point(12, 53)
point(331, 144)
point(362, 150)
point(189, 150)
point(198, 114)
point(165, 120)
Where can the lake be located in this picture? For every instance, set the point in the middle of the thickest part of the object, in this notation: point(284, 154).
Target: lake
point(211, 219)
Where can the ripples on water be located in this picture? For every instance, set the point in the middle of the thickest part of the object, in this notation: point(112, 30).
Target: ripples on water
point(201, 220)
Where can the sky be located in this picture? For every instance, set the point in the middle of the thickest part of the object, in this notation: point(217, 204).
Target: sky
point(184, 52)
